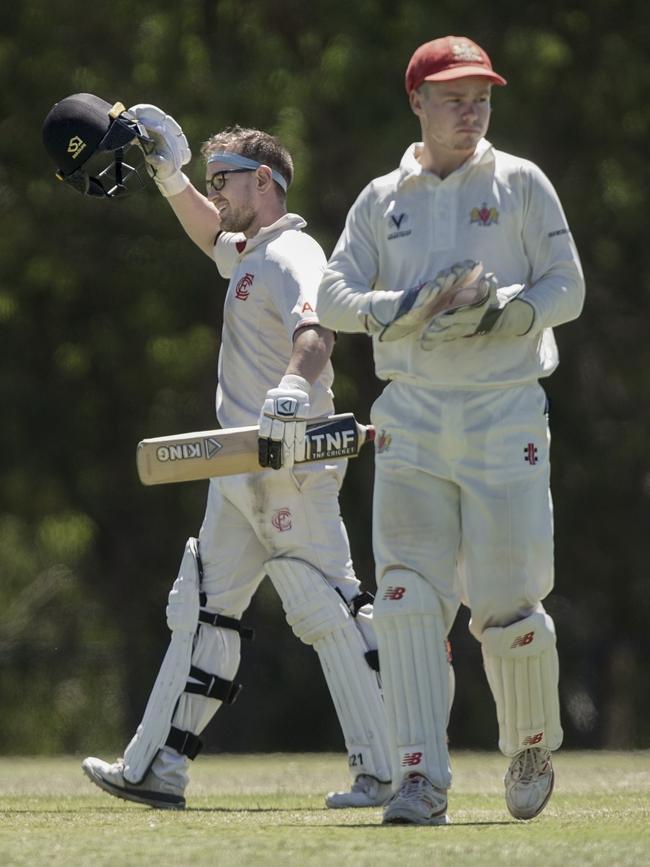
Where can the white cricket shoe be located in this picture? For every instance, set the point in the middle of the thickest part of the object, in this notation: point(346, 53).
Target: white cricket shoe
point(529, 782)
point(417, 802)
point(366, 791)
point(152, 791)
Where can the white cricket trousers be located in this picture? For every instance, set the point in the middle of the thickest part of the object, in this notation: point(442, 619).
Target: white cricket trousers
point(275, 513)
point(462, 497)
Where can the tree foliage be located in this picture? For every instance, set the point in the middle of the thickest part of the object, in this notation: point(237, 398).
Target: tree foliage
point(110, 328)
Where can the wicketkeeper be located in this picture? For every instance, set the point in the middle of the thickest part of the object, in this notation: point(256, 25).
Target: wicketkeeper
point(459, 263)
point(274, 369)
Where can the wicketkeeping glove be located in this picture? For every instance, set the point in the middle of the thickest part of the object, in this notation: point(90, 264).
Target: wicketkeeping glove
point(283, 423)
point(478, 308)
point(392, 315)
point(170, 151)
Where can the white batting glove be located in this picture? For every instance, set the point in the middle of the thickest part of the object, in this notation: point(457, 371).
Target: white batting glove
point(478, 309)
point(170, 151)
point(283, 423)
point(392, 315)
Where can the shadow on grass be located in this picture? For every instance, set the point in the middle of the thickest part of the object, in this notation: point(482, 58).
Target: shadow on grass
point(188, 811)
point(392, 827)
point(194, 811)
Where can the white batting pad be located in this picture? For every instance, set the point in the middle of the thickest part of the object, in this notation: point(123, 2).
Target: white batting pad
point(182, 619)
point(415, 674)
point(319, 617)
point(522, 669)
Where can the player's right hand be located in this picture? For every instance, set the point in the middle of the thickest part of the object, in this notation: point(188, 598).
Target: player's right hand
point(170, 151)
point(392, 315)
point(283, 423)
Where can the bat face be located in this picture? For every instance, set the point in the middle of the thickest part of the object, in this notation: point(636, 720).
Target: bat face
point(206, 454)
point(206, 447)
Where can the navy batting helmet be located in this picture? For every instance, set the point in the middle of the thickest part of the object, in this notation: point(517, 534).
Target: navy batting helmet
point(81, 126)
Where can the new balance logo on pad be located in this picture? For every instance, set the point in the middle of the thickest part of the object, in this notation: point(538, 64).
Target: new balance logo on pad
point(411, 759)
point(523, 640)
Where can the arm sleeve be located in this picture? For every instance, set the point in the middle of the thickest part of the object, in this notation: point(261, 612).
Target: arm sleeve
point(292, 280)
point(226, 251)
point(556, 290)
point(345, 290)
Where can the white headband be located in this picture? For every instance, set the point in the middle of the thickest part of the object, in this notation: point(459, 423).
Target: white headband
point(245, 163)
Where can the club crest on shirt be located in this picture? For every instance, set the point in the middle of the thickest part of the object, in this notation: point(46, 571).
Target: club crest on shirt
point(243, 287)
point(383, 441)
point(484, 216)
point(281, 520)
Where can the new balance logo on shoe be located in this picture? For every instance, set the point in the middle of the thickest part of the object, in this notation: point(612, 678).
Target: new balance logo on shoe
point(523, 640)
point(394, 593)
point(532, 740)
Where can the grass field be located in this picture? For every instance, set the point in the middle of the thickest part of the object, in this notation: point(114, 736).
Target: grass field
point(268, 810)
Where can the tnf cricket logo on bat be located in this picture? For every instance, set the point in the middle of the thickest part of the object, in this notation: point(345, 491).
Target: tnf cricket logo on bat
point(205, 448)
point(338, 440)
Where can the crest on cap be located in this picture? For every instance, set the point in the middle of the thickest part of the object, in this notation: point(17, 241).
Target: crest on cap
point(448, 58)
point(466, 51)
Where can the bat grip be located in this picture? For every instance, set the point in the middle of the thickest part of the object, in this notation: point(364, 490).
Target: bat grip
point(371, 433)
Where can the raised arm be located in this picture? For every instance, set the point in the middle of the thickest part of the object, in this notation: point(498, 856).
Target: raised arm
point(165, 162)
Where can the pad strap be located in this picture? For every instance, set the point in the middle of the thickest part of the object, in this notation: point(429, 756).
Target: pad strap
point(354, 606)
point(359, 601)
point(212, 686)
point(372, 658)
point(184, 743)
point(211, 619)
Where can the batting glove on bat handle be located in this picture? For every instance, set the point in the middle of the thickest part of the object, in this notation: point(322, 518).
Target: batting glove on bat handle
point(283, 423)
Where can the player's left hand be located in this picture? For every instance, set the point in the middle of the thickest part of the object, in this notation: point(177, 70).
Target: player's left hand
point(283, 423)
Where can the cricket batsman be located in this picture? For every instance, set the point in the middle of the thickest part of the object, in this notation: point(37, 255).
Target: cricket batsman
point(284, 522)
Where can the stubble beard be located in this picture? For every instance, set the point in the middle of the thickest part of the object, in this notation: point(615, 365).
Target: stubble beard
point(239, 220)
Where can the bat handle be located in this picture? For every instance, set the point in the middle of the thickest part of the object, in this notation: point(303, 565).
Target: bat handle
point(371, 433)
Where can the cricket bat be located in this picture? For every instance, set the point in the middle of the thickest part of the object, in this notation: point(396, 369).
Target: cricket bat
point(203, 454)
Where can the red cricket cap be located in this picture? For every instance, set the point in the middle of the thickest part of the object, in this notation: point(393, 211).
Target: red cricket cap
point(447, 58)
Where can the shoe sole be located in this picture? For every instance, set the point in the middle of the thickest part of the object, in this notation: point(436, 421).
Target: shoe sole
point(158, 800)
point(333, 804)
point(407, 819)
point(541, 806)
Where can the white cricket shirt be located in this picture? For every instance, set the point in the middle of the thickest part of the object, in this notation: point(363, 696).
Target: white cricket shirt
point(274, 279)
point(408, 225)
